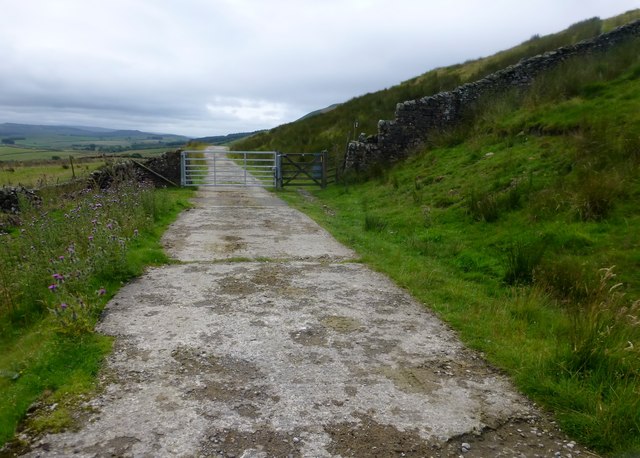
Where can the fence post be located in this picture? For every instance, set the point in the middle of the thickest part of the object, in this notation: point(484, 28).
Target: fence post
point(73, 170)
point(336, 164)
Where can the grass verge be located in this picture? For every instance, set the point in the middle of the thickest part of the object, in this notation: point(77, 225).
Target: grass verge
point(585, 371)
point(49, 355)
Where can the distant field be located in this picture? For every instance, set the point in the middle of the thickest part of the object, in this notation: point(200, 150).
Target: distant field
point(38, 175)
point(78, 142)
point(147, 152)
point(22, 142)
point(19, 154)
point(14, 153)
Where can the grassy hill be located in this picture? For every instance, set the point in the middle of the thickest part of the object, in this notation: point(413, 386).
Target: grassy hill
point(332, 130)
point(223, 139)
point(520, 229)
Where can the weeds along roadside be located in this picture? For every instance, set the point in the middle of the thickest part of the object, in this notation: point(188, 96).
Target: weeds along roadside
point(67, 256)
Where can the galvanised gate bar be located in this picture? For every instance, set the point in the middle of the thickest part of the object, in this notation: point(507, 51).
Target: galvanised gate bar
point(255, 168)
point(228, 168)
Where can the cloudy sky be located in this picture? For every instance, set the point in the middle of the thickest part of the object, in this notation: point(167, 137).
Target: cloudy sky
point(210, 67)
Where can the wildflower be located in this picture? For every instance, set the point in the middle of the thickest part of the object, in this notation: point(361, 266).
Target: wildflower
point(91, 238)
point(52, 287)
point(63, 305)
point(60, 258)
point(71, 249)
point(101, 292)
point(109, 226)
point(58, 277)
point(135, 232)
point(94, 221)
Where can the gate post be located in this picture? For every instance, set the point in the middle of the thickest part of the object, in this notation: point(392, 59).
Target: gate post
point(245, 167)
point(278, 170)
point(324, 159)
point(183, 169)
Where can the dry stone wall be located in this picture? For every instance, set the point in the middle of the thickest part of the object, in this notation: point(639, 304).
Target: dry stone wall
point(415, 120)
point(167, 165)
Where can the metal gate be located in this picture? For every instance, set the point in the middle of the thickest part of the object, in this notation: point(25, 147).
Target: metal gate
point(302, 169)
point(228, 168)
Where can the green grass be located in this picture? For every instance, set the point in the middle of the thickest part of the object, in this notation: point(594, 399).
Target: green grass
point(37, 174)
point(15, 153)
point(64, 141)
point(10, 155)
point(53, 358)
point(510, 229)
point(54, 369)
point(18, 154)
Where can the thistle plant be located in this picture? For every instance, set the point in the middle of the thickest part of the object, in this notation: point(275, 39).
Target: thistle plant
point(65, 251)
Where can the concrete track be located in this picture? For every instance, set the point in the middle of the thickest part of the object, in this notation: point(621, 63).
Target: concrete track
point(268, 340)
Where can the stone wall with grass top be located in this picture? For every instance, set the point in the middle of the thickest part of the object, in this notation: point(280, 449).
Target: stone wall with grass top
point(167, 165)
point(416, 120)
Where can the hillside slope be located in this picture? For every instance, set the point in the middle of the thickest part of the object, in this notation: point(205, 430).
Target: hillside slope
point(332, 130)
point(520, 229)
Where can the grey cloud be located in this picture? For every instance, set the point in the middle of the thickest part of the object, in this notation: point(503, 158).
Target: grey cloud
point(204, 67)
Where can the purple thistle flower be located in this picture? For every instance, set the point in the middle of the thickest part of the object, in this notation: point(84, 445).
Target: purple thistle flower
point(52, 287)
point(101, 292)
point(61, 258)
point(90, 238)
point(109, 226)
point(63, 305)
point(58, 277)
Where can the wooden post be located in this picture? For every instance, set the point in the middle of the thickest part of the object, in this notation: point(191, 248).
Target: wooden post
point(73, 170)
point(324, 159)
point(336, 164)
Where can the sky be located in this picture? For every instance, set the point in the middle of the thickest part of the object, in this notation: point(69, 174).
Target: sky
point(214, 67)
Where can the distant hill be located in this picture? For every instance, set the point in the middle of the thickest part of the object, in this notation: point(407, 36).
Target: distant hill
point(29, 130)
point(85, 138)
point(319, 112)
point(224, 139)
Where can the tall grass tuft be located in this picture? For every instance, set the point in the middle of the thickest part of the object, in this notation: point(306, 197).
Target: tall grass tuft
point(523, 257)
point(483, 206)
point(605, 331)
point(580, 76)
point(596, 195)
point(603, 360)
point(374, 223)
